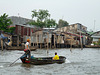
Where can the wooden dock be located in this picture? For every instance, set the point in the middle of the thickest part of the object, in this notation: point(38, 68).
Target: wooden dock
point(20, 48)
point(92, 46)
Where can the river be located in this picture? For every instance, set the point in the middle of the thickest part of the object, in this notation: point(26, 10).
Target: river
point(78, 62)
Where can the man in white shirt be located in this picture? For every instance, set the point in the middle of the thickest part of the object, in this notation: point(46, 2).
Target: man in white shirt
point(27, 49)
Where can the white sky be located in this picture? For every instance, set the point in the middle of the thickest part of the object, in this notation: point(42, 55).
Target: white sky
point(72, 11)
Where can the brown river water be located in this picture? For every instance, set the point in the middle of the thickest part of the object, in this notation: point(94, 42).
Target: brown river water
point(79, 62)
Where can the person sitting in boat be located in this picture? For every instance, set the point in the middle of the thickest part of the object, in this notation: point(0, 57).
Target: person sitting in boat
point(27, 49)
point(56, 57)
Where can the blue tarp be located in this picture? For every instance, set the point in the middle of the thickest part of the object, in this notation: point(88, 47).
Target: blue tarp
point(2, 36)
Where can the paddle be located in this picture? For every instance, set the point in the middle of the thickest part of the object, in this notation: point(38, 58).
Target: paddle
point(15, 60)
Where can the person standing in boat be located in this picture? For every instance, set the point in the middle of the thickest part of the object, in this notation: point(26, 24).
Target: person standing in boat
point(56, 57)
point(27, 49)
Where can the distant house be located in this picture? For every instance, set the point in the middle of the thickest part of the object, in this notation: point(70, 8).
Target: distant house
point(96, 37)
point(18, 20)
point(23, 32)
point(75, 30)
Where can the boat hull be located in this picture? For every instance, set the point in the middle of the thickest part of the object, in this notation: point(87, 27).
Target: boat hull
point(43, 60)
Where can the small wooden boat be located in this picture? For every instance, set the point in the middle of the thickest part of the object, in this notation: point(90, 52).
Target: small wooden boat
point(42, 60)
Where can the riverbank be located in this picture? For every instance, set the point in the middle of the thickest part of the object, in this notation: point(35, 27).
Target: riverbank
point(33, 48)
point(21, 48)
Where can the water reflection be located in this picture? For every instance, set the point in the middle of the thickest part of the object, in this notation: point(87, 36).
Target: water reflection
point(27, 65)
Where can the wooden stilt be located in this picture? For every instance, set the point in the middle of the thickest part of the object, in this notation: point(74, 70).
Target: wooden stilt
point(2, 44)
point(37, 40)
point(47, 42)
point(54, 40)
point(11, 40)
point(58, 40)
point(50, 43)
point(41, 40)
point(71, 44)
point(81, 41)
point(18, 40)
point(30, 41)
point(33, 40)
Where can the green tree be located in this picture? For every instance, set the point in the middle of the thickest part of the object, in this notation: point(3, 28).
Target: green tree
point(42, 18)
point(11, 29)
point(40, 15)
point(62, 23)
point(43, 15)
point(35, 13)
point(5, 22)
point(50, 23)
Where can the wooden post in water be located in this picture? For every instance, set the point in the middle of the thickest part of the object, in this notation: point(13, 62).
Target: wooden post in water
point(37, 40)
point(33, 39)
point(60, 41)
point(71, 44)
point(54, 40)
point(2, 44)
point(41, 41)
point(50, 42)
point(11, 39)
point(47, 42)
point(30, 41)
point(17, 40)
point(81, 41)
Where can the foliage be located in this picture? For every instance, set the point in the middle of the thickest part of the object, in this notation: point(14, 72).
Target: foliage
point(62, 23)
point(96, 43)
point(40, 15)
point(42, 18)
point(11, 29)
point(99, 42)
point(37, 23)
point(4, 22)
point(50, 23)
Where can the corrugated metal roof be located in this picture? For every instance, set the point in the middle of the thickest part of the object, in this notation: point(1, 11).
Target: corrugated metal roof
point(95, 36)
point(30, 26)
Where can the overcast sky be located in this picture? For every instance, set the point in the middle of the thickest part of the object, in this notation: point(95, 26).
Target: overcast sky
point(86, 12)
